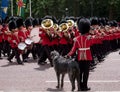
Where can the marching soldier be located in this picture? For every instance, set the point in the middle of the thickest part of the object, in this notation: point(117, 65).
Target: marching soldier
point(64, 37)
point(1, 35)
point(29, 27)
point(14, 42)
point(46, 38)
point(22, 35)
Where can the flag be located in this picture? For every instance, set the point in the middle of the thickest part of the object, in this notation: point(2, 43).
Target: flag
point(4, 8)
point(21, 4)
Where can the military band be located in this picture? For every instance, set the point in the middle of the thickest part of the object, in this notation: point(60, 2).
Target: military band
point(46, 34)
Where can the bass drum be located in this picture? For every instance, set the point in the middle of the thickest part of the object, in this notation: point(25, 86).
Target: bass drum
point(22, 47)
point(29, 43)
point(34, 35)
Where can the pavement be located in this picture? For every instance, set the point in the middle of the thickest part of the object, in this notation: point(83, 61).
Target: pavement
point(31, 77)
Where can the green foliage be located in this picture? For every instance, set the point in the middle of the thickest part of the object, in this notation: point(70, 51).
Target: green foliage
point(87, 8)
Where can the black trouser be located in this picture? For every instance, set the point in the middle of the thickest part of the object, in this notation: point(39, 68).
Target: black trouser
point(35, 51)
point(45, 53)
point(64, 49)
point(84, 73)
point(6, 48)
point(0, 49)
point(16, 54)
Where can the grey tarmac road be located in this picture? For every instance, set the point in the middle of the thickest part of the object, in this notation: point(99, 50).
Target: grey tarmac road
point(31, 77)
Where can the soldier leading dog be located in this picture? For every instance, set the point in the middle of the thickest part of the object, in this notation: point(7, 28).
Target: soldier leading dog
point(64, 65)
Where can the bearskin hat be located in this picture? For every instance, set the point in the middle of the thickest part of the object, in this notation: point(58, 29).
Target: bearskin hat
point(62, 21)
point(94, 21)
point(35, 22)
point(28, 22)
point(12, 25)
point(54, 19)
point(73, 18)
point(40, 20)
point(12, 18)
point(103, 21)
point(115, 23)
point(84, 25)
point(47, 17)
point(19, 22)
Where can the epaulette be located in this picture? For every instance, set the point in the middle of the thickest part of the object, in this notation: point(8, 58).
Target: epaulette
point(75, 39)
point(89, 37)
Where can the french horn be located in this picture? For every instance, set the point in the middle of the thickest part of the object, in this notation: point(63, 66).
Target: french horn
point(47, 23)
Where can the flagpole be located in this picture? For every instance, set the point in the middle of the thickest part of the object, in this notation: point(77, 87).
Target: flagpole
point(30, 8)
point(11, 7)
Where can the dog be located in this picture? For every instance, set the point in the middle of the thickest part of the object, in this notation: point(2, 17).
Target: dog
point(64, 65)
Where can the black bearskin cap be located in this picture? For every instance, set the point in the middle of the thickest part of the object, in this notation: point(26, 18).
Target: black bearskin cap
point(54, 19)
point(47, 17)
point(115, 24)
point(62, 21)
point(35, 22)
point(28, 22)
point(103, 21)
point(40, 20)
point(94, 21)
point(14, 18)
point(73, 18)
point(66, 18)
point(19, 22)
point(12, 25)
point(84, 25)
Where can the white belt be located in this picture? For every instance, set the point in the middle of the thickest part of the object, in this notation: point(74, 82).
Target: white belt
point(84, 48)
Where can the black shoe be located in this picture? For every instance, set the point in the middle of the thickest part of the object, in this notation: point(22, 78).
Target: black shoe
point(9, 60)
point(20, 62)
point(34, 58)
point(51, 65)
point(25, 60)
point(85, 89)
point(1, 58)
point(41, 63)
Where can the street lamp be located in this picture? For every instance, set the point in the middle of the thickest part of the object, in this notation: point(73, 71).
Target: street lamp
point(66, 11)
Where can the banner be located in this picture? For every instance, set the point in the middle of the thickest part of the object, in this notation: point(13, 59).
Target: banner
point(21, 4)
point(4, 8)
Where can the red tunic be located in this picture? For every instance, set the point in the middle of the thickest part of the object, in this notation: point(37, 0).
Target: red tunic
point(22, 34)
point(63, 39)
point(44, 38)
point(76, 31)
point(54, 39)
point(1, 33)
point(4, 30)
point(15, 40)
point(82, 46)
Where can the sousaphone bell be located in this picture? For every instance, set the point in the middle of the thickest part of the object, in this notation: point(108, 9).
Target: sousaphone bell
point(63, 27)
point(47, 24)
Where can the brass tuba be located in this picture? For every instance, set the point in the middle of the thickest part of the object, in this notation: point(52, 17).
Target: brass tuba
point(70, 23)
point(55, 26)
point(63, 27)
point(47, 24)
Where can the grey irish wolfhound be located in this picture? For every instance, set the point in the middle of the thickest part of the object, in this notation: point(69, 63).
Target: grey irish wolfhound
point(64, 65)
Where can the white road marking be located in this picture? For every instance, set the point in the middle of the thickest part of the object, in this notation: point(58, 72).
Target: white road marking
point(93, 81)
point(107, 91)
